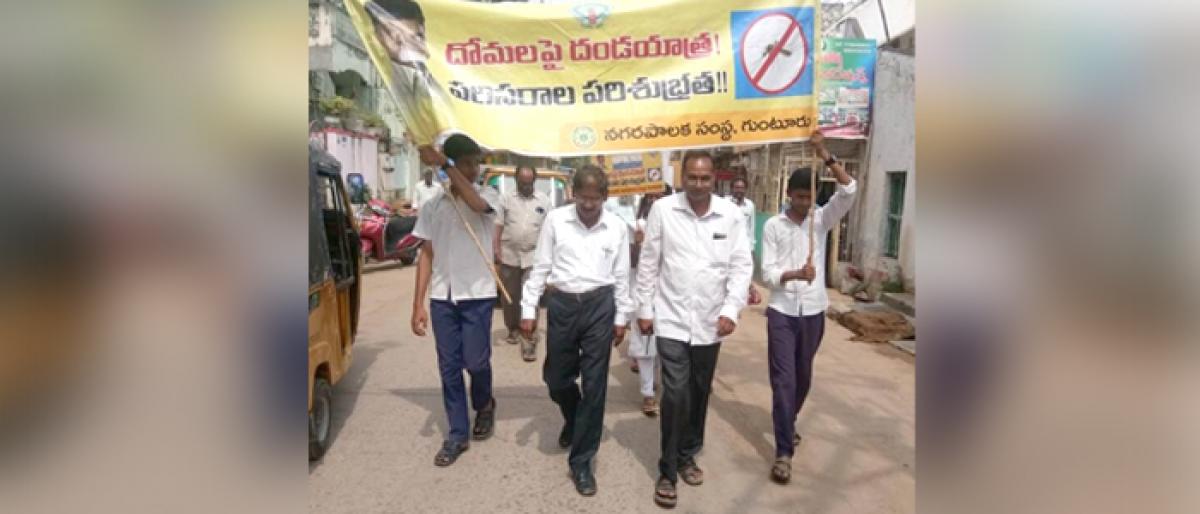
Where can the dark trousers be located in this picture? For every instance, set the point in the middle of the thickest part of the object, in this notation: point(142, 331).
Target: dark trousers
point(514, 280)
point(687, 374)
point(579, 335)
point(463, 332)
point(792, 343)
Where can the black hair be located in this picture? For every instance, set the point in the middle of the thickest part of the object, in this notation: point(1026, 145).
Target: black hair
point(459, 145)
point(801, 178)
point(518, 169)
point(403, 9)
point(592, 173)
point(693, 154)
point(668, 190)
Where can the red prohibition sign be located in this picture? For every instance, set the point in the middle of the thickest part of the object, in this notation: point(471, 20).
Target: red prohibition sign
point(772, 49)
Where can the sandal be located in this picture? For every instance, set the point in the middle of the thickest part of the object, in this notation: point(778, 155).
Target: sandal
point(449, 453)
point(485, 422)
point(692, 474)
point(650, 406)
point(781, 472)
point(664, 493)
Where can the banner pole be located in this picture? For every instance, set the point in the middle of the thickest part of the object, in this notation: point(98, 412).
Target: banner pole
point(479, 245)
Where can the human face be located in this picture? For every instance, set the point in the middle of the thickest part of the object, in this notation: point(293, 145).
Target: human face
point(698, 179)
point(428, 175)
point(801, 201)
point(589, 204)
point(404, 39)
point(739, 190)
point(525, 183)
point(468, 165)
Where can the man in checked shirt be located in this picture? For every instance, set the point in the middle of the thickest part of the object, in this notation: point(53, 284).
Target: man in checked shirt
point(693, 280)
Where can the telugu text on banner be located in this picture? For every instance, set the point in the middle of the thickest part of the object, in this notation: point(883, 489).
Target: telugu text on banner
point(595, 77)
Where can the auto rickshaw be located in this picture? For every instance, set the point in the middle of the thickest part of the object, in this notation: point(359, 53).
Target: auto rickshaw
point(553, 183)
point(334, 292)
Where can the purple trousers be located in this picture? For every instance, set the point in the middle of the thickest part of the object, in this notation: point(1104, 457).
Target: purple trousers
point(792, 343)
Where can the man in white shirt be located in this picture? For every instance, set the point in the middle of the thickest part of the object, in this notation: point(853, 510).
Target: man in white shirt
point(693, 277)
point(745, 205)
point(425, 190)
point(583, 254)
point(796, 312)
point(463, 294)
point(517, 226)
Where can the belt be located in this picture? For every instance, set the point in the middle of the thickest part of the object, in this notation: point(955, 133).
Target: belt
point(581, 297)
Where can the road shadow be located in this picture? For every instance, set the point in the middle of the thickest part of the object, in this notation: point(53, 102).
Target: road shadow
point(346, 391)
point(530, 404)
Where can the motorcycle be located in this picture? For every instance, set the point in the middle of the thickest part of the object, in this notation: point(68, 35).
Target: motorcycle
point(386, 235)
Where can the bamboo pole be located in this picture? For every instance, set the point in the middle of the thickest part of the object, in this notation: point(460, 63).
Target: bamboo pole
point(479, 245)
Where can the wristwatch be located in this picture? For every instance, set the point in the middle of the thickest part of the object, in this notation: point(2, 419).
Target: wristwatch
point(831, 160)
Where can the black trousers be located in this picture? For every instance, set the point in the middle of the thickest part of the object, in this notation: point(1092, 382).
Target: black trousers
point(579, 335)
point(687, 374)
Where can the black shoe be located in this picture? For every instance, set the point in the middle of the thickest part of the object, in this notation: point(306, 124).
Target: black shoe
point(585, 482)
point(485, 422)
point(449, 453)
point(566, 435)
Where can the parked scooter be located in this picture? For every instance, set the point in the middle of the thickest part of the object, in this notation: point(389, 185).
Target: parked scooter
point(386, 235)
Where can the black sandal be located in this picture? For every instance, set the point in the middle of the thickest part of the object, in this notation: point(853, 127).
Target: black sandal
point(781, 472)
point(664, 493)
point(449, 453)
point(485, 422)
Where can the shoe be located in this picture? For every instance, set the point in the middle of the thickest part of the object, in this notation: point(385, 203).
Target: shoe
point(529, 351)
point(691, 473)
point(449, 453)
point(585, 482)
point(650, 406)
point(512, 338)
point(664, 493)
point(634, 367)
point(485, 422)
point(566, 435)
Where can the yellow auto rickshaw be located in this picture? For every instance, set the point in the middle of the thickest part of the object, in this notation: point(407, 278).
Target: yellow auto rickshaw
point(334, 287)
point(553, 183)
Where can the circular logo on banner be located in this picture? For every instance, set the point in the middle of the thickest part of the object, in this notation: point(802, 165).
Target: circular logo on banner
point(774, 52)
point(583, 137)
point(654, 174)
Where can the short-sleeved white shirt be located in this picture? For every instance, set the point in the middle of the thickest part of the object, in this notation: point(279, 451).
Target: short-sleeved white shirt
point(460, 272)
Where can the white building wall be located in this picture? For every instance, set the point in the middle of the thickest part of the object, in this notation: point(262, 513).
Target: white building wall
point(892, 147)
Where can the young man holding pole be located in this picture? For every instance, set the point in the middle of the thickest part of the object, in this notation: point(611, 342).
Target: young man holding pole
point(794, 268)
point(457, 225)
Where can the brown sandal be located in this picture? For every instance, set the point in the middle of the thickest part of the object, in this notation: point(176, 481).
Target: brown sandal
point(692, 474)
point(781, 472)
point(664, 493)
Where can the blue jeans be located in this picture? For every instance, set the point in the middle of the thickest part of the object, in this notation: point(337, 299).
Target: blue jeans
point(463, 332)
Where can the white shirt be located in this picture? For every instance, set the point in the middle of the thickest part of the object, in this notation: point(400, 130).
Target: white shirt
point(423, 193)
point(693, 269)
point(785, 248)
point(747, 208)
point(458, 267)
point(577, 259)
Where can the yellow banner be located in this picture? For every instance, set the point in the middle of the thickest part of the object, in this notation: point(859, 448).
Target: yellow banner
point(598, 77)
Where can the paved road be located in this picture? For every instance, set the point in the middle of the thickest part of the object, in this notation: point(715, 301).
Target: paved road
point(857, 456)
